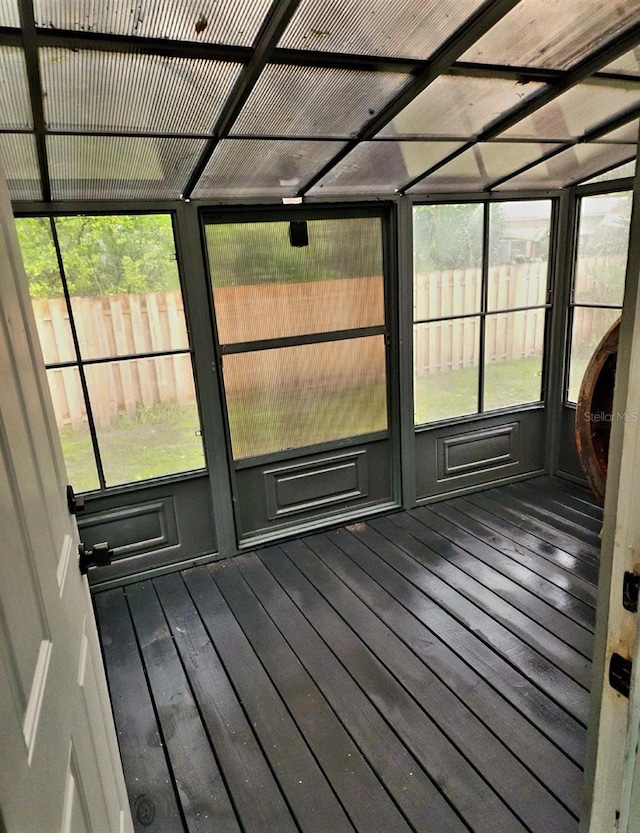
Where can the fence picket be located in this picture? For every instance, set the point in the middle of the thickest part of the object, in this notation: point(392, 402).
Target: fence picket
point(136, 323)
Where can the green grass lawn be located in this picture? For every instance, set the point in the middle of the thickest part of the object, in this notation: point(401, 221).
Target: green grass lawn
point(455, 393)
point(262, 424)
point(163, 440)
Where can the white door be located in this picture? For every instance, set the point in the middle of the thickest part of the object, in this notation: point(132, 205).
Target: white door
point(612, 773)
point(60, 768)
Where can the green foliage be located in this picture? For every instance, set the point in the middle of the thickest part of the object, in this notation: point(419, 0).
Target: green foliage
point(605, 234)
point(447, 236)
point(39, 256)
point(103, 255)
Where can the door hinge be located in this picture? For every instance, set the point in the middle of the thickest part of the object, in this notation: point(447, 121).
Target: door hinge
point(99, 556)
point(74, 502)
point(620, 674)
point(630, 591)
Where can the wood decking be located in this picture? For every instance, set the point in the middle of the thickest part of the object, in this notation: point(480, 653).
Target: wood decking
point(427, 671)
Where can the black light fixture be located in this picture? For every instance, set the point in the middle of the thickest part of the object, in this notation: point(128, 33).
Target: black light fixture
point(298, 234)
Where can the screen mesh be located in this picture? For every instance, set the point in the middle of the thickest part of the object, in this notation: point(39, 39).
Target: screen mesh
point(146, 417)
point(123, 280)
point(514, 344)
point(292, 397)
point(266, 288)
point(73, 427)
point(445, 369)
point(589, 326)
point(45, 289)
point(603, 242)
point(519, 235)
point(447, 259)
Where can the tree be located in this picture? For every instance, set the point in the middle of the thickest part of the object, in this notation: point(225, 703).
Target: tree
point(447, 236)
point(101, 255)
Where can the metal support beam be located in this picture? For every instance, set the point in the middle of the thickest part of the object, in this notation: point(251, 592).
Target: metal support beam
point(476, 26)
point(272, 29)
point(590, 136)
point(28, 25)
point(590, 65)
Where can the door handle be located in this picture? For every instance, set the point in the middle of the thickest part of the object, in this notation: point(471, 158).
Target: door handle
point(99, 556)
point(74, 502)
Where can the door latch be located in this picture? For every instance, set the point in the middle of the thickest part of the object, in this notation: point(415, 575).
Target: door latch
point(99, 556)
point(620, 674)
point(630, 591)
point(74, 502)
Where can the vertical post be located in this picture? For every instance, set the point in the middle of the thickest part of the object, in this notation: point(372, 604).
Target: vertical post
point(613, 726)
point(561, 267)
point(198, 312)
point(405, 339)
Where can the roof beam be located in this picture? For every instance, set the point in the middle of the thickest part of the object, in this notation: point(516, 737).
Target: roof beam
point(270, 33)
point(586, 68)
point(484, 18)
point(605, 170)
point(28, 26)
point(590, 136)
point(104, 42)
point(61, 39)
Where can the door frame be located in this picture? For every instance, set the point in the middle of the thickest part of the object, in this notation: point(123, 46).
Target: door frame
point(612, 774)
point(221, 214)
point(61, 765)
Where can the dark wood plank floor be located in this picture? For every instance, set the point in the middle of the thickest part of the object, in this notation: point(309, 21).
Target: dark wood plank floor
point(427, 671)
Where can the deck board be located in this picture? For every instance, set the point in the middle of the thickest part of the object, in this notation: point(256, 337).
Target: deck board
point(426, 671)
point(259, 802)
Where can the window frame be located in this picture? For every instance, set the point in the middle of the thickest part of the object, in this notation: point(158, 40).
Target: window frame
point(487, 201)
point(361, 209)
point(600, 189)
point(80, 362)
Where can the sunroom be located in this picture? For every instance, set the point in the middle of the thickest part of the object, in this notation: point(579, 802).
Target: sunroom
point(315, 286)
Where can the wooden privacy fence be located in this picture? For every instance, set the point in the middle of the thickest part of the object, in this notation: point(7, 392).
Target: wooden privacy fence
point(109, 326)
point(455, 344)
point(115, 325)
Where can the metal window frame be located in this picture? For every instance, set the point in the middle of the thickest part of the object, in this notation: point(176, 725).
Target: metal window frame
point(484, 312)
point(577, 195)
point(95, 210)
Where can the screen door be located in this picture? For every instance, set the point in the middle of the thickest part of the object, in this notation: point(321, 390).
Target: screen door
point(301, 328)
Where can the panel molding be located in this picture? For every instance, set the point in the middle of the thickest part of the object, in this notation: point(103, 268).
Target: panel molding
point(479, 452)
point(458, 455)
point(313, 485)
point(123, 521)
point(36, 696)
point(63, 562)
